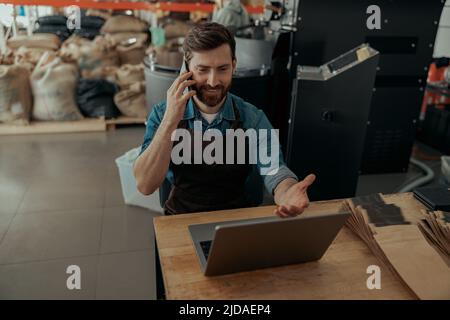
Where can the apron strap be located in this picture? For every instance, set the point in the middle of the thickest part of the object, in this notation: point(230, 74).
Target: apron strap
point(237, 115)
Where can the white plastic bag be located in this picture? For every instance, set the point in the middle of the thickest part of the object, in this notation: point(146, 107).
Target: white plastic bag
point(131, 194)
point(445, 168)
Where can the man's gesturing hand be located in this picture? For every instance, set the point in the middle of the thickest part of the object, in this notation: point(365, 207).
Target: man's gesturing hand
point(293, 200)
point(177, 100)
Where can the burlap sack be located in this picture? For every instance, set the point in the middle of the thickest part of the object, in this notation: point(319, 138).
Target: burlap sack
point(170, 54)
point(54, 88)
point(121, 38)
point(199, 16)
point(105, 14)
point(29, 57)
point(47, 41)
point(132, 54)
point(131, 102)
point(128, 74)
point(176, 28)
point(124, 24)
point(71, 48)
point(104, 72)
point(97, 55)
point(130, 46)
point(15, 94)
point(7, 58)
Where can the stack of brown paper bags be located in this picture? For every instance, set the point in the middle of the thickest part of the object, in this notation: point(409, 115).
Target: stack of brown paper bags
point(436, 229)
point(391, 232)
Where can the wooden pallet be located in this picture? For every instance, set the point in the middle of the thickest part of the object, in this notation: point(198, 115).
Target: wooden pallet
point(111, 124)
point(85, 125)
point(36, 127)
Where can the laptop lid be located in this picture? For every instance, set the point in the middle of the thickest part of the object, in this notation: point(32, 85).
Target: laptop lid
point(267, 242)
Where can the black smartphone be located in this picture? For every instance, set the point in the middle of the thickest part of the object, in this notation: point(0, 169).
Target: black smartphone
point(185, 67)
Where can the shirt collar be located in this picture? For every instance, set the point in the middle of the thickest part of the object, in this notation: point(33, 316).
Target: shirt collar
point(226, 112)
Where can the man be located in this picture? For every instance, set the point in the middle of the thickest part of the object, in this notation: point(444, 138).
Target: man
point(210, 53)
point(231, 13)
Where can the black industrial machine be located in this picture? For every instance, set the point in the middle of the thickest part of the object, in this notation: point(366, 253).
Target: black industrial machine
point(379, 137)
point(328, 121)
point(322, 30)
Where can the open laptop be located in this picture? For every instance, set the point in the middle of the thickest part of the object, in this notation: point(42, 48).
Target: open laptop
point(243, 245)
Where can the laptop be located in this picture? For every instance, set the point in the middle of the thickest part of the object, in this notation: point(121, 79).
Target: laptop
point(243, 245)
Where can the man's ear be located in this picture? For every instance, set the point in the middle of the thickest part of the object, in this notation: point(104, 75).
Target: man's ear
point(234, 65)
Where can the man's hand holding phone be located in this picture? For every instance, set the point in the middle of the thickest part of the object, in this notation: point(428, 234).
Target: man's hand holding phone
point(177, 98)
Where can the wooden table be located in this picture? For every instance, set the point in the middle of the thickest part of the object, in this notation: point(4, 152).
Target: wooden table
point(340, 274)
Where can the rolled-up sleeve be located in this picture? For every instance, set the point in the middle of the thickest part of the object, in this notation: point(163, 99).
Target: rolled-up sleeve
point(272, 176)
point(272, 181)
point(153, 122)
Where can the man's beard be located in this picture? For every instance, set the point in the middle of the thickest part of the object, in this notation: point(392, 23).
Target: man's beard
point(214, 98)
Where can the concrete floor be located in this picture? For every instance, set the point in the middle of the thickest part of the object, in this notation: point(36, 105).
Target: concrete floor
point(394, 182)
point(61, 204)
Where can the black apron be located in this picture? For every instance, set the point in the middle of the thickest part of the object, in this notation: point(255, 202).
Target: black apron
point(209, 187)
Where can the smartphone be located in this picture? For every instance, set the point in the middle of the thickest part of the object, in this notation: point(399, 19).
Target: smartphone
point(185, 67)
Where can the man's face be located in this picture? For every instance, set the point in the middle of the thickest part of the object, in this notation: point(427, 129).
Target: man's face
point(213, 71)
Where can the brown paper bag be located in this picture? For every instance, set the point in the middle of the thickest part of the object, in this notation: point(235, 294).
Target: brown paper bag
point(388, 225)
point(419, 265)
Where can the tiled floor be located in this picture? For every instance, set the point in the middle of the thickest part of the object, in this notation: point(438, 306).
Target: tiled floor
point(61, 204)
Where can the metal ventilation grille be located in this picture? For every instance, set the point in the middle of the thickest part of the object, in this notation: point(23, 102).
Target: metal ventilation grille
point(385, 147)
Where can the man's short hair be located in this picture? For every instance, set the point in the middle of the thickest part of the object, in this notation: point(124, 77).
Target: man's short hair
point(208, 36)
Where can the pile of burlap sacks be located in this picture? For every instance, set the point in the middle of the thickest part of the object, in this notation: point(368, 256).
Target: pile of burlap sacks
point(39, 75)
point(170, 52)
point(119, 52)
point(35, 83)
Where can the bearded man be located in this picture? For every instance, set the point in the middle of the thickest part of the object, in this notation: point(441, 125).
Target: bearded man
point(202, 94)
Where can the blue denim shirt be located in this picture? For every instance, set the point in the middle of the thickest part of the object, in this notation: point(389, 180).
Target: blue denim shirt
point(251, 117)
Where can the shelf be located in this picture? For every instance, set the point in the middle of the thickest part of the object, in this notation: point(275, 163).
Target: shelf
point(128, 5)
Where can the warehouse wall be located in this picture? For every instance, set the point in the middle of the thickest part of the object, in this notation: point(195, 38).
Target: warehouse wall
point(442, 44)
